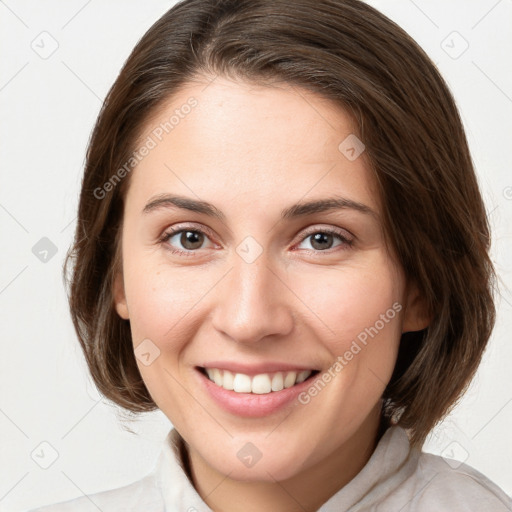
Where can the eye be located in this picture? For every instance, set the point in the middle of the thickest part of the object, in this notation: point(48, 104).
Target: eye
point(191, 239)
point(322, 239)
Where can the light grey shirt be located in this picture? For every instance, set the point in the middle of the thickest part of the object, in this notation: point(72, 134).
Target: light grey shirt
point(395, 479)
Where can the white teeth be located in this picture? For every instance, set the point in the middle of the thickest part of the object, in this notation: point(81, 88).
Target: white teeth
point(228, 382)
point(289, 380)
point(302, 376)
point(277, 382)
point(241, 384)
point(259, 384)
point(217, 377)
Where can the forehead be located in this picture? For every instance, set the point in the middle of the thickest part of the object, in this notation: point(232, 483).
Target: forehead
point(233, 139)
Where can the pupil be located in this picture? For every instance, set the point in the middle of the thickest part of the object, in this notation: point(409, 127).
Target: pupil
point(191, 240)
point(321, 239)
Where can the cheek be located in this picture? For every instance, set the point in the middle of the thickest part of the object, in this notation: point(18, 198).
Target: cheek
point(162, 302)
point(357, 304)
point(159, 299)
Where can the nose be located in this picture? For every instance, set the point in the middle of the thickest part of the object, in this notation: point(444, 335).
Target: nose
point(253, 302)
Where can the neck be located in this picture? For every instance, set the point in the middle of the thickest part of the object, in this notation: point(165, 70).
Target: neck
point(306, 491)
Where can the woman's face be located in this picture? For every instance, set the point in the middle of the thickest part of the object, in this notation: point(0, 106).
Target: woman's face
point(264, 284)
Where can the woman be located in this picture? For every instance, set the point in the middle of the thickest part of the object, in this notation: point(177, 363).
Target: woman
point(281, 244)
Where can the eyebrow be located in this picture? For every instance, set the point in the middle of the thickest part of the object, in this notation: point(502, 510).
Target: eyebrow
point(167, 201)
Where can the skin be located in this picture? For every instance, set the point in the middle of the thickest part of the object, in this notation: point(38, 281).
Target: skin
point(252, 151)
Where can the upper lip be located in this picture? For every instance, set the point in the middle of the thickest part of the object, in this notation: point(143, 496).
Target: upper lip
point(257, 368)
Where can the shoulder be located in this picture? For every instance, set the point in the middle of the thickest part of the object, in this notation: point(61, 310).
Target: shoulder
point(132, 497)
point(444, 484)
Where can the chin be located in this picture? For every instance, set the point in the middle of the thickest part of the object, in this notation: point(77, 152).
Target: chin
point(270, 470)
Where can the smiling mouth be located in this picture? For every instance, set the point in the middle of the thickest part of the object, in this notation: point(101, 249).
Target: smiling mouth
point(263, 383)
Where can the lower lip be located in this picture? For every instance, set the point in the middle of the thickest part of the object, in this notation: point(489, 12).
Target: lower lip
point(252, 405)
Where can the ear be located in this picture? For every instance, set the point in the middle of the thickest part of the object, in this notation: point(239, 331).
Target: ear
point(120, 297)
point(416, 316)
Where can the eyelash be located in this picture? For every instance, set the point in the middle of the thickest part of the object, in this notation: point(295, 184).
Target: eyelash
point(169, 234)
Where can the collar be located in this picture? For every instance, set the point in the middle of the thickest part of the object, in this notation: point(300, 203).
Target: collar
point(172, 472)
point(391, 463)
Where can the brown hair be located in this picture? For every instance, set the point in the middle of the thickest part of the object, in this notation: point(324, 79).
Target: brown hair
point(433, 214)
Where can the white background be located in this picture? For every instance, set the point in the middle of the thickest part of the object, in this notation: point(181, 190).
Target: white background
point(48, 107)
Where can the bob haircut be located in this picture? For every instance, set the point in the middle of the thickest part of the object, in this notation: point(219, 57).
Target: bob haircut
point(433, 214)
